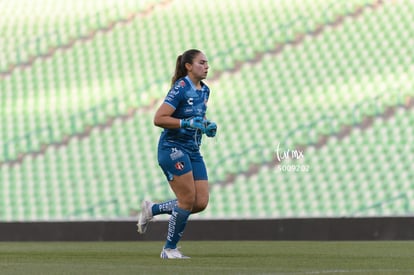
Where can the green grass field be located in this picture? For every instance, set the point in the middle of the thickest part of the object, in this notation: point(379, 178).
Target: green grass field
point(226, 257)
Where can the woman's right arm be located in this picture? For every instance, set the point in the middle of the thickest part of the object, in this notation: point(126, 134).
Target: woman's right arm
point(164, 119)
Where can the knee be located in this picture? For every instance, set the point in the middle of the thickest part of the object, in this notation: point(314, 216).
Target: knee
point(200, 205)
point(187, 202)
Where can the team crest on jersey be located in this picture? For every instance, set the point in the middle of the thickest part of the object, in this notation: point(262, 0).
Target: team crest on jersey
point(179, 165)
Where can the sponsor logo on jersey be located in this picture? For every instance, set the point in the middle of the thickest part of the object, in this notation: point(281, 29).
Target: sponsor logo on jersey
point(171, 95)
point(180, 84)
point(176, 154)
point(190, 101)
point(174, 92)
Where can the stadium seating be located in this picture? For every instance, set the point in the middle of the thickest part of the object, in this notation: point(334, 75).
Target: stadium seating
point(365, 177)
point(260, 100)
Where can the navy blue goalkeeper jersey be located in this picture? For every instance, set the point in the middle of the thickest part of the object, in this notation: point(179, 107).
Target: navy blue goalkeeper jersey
point(188, 102)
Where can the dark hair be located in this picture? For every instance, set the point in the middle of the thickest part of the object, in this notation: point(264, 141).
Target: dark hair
point(180, 69)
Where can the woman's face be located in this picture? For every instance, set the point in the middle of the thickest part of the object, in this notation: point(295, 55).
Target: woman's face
point(199, 68)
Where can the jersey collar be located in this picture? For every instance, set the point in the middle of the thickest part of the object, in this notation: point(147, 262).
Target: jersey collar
point(192, 84)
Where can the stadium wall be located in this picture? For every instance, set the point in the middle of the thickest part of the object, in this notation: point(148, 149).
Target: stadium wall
point(321, 229)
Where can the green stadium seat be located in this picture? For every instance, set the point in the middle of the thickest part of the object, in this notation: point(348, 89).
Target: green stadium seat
point(314, 88)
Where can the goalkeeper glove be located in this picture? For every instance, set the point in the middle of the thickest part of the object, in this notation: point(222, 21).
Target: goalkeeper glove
point(194, 123)
point(211, 128)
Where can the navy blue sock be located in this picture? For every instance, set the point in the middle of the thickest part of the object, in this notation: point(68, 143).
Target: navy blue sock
point(164, 207)
point(176, 226)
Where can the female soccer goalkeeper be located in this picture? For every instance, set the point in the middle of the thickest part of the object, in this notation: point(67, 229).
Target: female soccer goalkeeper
point(182, 115)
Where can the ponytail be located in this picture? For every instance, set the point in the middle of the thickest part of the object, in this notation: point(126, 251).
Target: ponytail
point(180, 69)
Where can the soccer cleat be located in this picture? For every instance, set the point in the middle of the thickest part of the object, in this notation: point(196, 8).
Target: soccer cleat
point(145, 216)
point(169, 253)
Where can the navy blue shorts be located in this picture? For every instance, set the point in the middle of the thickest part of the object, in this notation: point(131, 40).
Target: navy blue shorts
point(175, 161)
